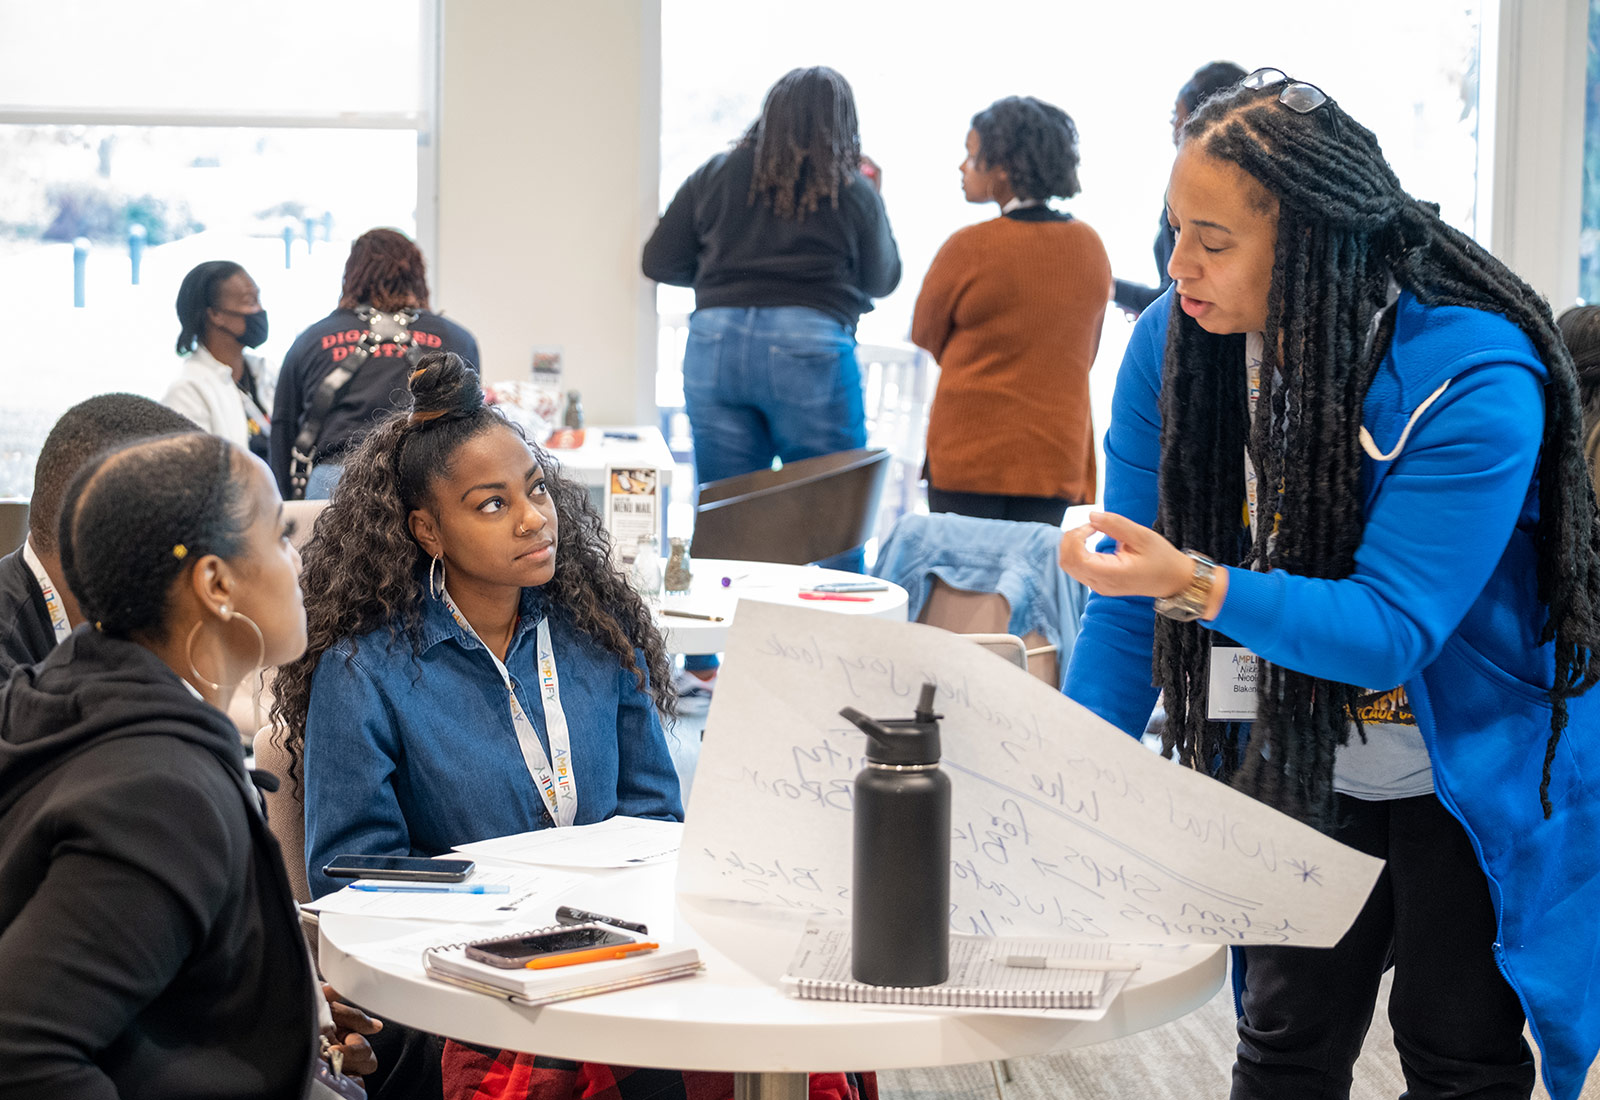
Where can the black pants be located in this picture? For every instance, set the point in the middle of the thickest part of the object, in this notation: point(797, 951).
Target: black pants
point(994, 506)
point(1457, 1023)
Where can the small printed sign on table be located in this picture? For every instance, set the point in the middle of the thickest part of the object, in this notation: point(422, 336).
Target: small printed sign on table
point(632, 508)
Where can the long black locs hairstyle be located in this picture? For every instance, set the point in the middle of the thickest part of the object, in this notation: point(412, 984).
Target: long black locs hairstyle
point(1345, 227)
point(807, 142)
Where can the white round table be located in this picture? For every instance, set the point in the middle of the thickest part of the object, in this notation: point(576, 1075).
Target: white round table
point(765, 581)
point(733, 1017)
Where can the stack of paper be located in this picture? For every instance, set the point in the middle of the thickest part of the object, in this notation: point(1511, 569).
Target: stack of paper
point(449, 963)
point(986, 972)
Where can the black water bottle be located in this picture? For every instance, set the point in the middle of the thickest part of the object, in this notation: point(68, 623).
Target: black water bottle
point(900, 892)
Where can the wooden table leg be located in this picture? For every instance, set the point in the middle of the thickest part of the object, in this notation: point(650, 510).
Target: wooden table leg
point(771, 1086)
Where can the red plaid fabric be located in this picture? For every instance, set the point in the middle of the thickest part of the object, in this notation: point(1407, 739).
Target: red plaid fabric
point(472, 1073)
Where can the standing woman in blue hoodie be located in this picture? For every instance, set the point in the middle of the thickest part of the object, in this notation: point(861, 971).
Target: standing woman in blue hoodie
point(1349, 444)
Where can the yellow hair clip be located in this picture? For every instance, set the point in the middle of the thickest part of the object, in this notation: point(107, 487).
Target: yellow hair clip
point(180, 551)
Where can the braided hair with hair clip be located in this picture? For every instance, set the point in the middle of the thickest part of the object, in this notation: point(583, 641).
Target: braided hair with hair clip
point(363, 569)
point(137, 518)
point(807, 143)
point(1345, 227)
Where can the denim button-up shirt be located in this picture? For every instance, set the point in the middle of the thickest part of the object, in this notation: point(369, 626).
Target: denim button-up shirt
point(413, 754)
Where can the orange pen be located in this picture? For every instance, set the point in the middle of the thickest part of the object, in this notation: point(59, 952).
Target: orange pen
point(597, 954)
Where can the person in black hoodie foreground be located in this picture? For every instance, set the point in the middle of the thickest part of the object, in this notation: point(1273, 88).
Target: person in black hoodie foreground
point(149, 945)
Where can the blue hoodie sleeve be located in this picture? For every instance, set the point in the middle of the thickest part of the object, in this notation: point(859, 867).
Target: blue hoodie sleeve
point(1434, 534)
point(1110, 668)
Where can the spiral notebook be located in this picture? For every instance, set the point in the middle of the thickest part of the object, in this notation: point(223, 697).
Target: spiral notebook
point(449, 963)
point(980, 975)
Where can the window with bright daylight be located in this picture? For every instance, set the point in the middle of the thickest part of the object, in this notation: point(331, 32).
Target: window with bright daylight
point(1589, 241)
point(920, 73)
point(129, 155)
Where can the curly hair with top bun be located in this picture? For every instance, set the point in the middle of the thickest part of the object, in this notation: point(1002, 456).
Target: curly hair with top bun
point(363, 569)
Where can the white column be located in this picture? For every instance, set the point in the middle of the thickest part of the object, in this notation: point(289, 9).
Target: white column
point(1531, 155)
point(549, 151)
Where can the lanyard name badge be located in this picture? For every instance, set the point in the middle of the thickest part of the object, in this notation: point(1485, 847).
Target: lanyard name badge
point(1234, 680)
point(52, 598)
point(552, 775)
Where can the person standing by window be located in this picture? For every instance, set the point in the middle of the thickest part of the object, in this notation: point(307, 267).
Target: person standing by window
point(221, 388)
point(385, 278)
point(786, 243)
point(1012, 309)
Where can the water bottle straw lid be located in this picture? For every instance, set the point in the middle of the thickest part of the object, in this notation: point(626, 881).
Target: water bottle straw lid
point(901, 740)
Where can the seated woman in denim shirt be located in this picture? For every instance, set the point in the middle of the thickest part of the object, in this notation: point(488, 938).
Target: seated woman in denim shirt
point(477, 667)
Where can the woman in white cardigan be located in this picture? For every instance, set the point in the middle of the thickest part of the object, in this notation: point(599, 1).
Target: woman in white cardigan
point(221, 388)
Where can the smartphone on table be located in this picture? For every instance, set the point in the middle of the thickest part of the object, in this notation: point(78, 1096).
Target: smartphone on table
point(405, 868)
point(514, 952)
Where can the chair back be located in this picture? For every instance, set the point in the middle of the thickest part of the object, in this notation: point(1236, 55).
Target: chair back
point(303, 513)
point(13, 524)
point(804, 512)
point(286, 812)
point(984, 616)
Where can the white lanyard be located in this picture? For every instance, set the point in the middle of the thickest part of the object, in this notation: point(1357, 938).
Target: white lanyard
point(52, 599)
point(1254, 347)
point(556, 784)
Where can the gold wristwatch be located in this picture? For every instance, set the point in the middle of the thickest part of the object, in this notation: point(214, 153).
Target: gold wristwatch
point(1190, 604)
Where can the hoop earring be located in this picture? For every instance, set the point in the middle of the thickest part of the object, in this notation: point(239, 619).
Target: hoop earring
point(261, 648)
point(189, 652)
point(436, 590)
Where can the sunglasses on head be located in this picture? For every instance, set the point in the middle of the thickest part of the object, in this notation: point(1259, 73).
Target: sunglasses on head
point(1298, 96)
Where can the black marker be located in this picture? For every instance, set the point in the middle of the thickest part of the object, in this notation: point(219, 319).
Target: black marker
point(568, 915)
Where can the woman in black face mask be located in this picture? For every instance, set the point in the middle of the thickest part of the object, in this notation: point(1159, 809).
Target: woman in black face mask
point(221, 388)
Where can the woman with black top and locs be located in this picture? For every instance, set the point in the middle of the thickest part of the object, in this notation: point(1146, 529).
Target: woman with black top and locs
point(786, 243)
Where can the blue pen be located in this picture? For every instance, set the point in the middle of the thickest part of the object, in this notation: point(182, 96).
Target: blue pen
point(443, 888)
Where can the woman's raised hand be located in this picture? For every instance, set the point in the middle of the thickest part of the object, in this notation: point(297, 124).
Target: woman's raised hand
point(1144, 563)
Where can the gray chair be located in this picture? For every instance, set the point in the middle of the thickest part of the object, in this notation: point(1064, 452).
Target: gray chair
point(804, 512)
point(13, 524)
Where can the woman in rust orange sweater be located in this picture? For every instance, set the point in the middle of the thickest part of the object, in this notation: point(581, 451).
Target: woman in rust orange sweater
point(1011, 309)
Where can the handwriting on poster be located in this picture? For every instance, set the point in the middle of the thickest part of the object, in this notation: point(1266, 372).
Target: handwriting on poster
point(1061, 824)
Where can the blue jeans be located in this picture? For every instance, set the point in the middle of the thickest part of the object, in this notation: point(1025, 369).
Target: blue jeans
point(323, 480)
point(771, 382)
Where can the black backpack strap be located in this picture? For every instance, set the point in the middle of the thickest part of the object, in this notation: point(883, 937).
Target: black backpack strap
point(382, 328)
point(303, 450)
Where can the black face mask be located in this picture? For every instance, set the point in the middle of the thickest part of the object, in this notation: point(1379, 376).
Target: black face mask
point(255, 329)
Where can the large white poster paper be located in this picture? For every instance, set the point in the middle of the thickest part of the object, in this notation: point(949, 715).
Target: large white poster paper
point(1062, 825)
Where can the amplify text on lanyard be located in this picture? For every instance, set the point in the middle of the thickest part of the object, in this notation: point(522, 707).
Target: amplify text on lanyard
point(552, 775)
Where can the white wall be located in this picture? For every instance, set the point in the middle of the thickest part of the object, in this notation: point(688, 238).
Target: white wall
point(549, 121)
point(1531, 164)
